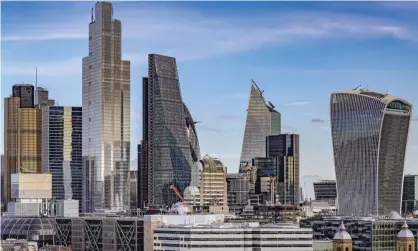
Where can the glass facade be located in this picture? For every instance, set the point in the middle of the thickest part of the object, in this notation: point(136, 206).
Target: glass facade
point(62, 152)
point(369, 134)
point(262, 120)
point(22, 135)
point(170, 138)
point(410, 194)
point(106, 115)
point(326, 190)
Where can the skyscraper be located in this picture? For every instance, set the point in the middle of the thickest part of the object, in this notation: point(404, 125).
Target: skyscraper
point(326, 190)
point(369, 135)
point(410, 194)
point(106, 115)
point(169, 146)
point(286, 148)
point(61, 150)
point(22, 135)
point(42, 98)
point(262, 120)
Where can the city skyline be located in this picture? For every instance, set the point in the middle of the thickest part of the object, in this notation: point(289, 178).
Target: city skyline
point(223, 117)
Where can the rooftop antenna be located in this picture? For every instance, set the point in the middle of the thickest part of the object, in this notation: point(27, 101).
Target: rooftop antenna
point(356, 87)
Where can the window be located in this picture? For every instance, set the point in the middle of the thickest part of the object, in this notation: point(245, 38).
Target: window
point(90, 38)
point(410, 248)
point(90, 67)
point(346, 249)
point(91, 53)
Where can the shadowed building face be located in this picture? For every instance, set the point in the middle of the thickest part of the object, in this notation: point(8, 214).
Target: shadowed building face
point(369, 134)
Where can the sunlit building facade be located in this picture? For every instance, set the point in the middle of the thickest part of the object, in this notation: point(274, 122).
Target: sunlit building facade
point(106, 115)
point(369, 134)
point(262, 120)
point(170, 145)
point(61, 150)
point(22, 135)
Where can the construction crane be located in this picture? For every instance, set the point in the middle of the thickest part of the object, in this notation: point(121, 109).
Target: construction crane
point(180, 197)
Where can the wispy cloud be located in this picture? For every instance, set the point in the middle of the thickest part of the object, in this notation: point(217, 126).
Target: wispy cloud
point(68, 67)
point(299, 103)
point(226, 117)
point(317, 120)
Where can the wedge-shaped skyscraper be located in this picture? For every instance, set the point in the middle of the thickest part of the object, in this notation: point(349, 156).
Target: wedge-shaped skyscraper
point(170, 146)
point(262, 120)
point(369, 134)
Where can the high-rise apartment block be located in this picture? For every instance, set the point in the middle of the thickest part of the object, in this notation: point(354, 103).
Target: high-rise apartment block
point(262, 120)
point(62, 150)
point(106, 115)
point(410, 194)
point(22, 135)
point(369, 134)
point(170, 148)
point(286, 148)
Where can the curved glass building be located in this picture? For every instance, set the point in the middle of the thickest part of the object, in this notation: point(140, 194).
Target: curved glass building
point(262, 120)
point(369, 135)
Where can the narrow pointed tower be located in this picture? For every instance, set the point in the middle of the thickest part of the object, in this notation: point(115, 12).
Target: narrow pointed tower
point(342, 240)
point(405, 239)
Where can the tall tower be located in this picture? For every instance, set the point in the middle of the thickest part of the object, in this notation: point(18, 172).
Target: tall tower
point(106, 115)
point(342, 240)
point(22, 136)
point(262, 120)
point(169, 146)
point(369, 135)
point(62, 152)
point(405, 239)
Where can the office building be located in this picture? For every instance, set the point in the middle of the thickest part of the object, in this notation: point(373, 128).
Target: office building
point(22, 135)
point(238, 187)
point(169, 146)
point(233, 236)
point(62, 150)
point(133, 186)
point(326, 190)
point(42, 98)
point(262, 120)
point(251, 172)
point(106, 115)
point(213, 187)
point(2, 181)
point(369, 135)
point(410, 194)
point(286, 148)
point(266, 183)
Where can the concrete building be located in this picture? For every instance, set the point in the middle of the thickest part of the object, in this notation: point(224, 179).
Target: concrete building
point(405, 240)
point(266, 184)
point(262, 120)
point(285, 147)
point(106, 115)
point(62, 151)
point(232, 236)
point(2, 181)
point(342, 240)
point(238, 187)
point(133, 193)
point(369, 134)
point(410, 194)
point(326, 190)
point(22, 136)
point(213, 188)
point(251, 172)
point(42, 98)
point(169, 145)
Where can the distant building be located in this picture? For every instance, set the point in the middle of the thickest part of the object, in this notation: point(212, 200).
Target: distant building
point(262, 120)
point(233, 236)
point(62, 150)
point(22, 136)
point(286, 148)
point(2, 181)
point(369, 134)
point(43, 98)
point(251, 172)
point(266, 183)
point(133, 184)
point(170, 147)
point(213, 188)
point(238, 187)
point(410, 194)
point(326, 190)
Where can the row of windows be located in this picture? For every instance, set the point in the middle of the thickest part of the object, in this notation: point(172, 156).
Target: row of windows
point(224, 239)
point(222, 245)
point(232, 232)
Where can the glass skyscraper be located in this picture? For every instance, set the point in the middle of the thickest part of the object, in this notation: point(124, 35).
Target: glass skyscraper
point(106, 115)
point(169, 147)
point(262, 120)
point(369, 135)
point(61, 150)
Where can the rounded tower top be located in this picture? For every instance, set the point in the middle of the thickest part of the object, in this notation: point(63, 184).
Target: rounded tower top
point(405, 232)
point(342, 234)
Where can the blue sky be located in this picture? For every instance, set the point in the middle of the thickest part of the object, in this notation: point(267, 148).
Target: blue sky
point(297, 52)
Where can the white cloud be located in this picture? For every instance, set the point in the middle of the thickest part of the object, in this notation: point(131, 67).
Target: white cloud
point(299, 103)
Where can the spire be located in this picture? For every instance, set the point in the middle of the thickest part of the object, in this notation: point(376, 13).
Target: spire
point(405, 226)
point(342, 227)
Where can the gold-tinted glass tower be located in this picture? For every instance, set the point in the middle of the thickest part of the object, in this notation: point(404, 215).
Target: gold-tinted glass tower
point(22, 135)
